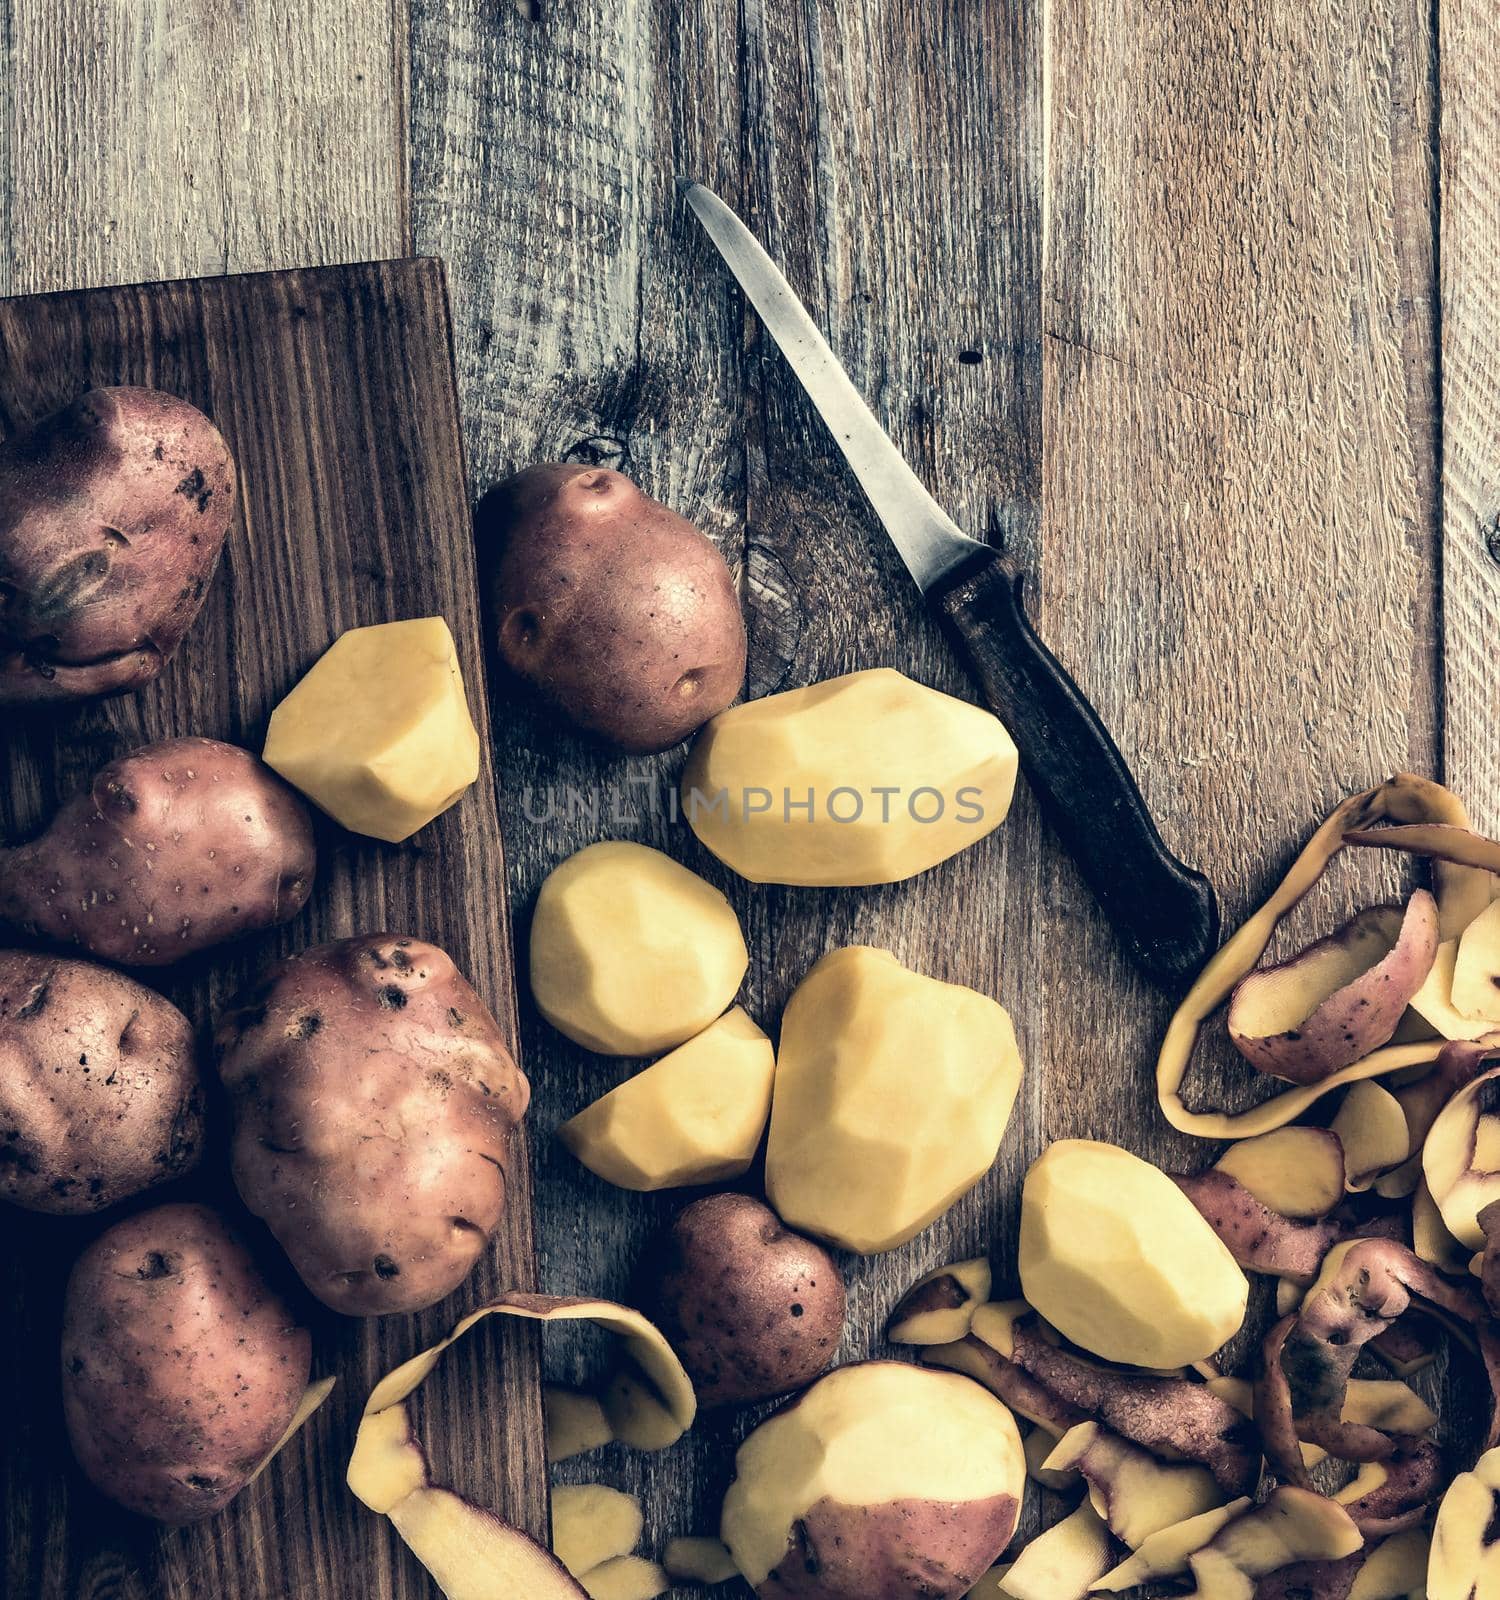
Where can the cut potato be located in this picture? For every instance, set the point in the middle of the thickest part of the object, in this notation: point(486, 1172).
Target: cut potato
point(1291, 1525)
point(1461, 1158)
point(1165, 1554)
point(867, 778)
point(626, 1578)
point(882, 1478)
point(893, 1091)
point(576, 1423)
point(1371, 1126)
point(1340, 998)
point(379, 733)
point(592, 1524)
point(1065, 1561)
point(1465, 1559)
point(1475, 990)
point(1296, 1171)
point(1117, 1258)
point(696, 1116)
point(1136, 1494)
point(699, 1560)
point(630, 952)
point(940, 1305)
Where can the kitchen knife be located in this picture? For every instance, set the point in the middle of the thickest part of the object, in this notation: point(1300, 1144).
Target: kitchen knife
point(1165, 913)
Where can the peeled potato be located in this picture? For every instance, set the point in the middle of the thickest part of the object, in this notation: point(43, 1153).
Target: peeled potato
point(632, 953)
point(893, 1091)
point(378, 733)
point(868, 778)
point(1121, 1262)
point(695, 1116)
point(883, 1479)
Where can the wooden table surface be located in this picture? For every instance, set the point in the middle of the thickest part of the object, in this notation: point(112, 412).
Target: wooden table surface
point(1192, 303)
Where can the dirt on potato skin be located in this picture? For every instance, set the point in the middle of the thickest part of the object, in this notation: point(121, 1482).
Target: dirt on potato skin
point(100, 1091)
point(173, 848)
point(113, 514)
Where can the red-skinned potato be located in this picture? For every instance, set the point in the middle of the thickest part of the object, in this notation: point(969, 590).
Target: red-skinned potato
point(882, 1482)
point(182, 1368)
point(752, 1309)
point(100, 1096)
point(112, 515)
point(618, 610)
point(171, 849)
point(373, 1098)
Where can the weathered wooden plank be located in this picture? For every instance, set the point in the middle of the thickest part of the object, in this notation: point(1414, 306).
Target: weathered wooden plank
point(335, 391)
point(146, 142)
point(595, 320)
point(1469, 69)
point(545, 141)
point(1238, 512)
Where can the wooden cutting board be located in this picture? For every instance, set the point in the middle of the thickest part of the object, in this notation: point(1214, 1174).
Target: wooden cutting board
point(335, 389)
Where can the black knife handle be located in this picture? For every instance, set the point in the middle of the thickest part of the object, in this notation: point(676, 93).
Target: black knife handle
point(1165, 913)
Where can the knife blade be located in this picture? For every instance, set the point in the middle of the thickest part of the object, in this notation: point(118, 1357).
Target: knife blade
point(1164, 912)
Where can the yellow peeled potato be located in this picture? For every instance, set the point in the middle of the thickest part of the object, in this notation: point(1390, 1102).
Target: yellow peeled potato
point(630, 952)
point(378, 733)
point(867, 778)
point(695, 1116)
point(1118, 1259)
point(893, 1091)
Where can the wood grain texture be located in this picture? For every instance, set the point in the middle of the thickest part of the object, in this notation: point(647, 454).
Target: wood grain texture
point(1239, 527)
point(597, 323)
point(1470, 196)
point(335, 391)
point(144, 141)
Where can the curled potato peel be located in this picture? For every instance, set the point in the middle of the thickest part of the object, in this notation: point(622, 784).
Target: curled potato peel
point(1338, 999)
point(1462, 886)
point(467, 1549)
point(1458, 1155)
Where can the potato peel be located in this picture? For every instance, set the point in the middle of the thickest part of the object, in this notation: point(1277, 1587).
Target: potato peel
point(1462, 889)
point(1339, 998)
point(1451, 1155)
point(473, 1554)
point(1307, 1358)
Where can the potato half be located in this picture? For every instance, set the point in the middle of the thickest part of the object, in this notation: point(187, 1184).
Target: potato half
point(882, 1482)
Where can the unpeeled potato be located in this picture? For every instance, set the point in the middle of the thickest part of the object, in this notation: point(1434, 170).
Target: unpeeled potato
point(618, 610)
